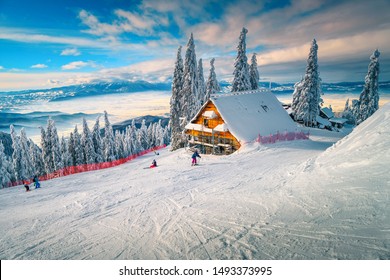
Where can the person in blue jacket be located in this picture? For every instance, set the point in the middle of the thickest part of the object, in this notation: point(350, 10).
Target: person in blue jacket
point(194, 156)
point(36, 182)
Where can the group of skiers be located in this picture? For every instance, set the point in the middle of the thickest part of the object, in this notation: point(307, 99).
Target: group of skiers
point(37, 185)
point(153, 165)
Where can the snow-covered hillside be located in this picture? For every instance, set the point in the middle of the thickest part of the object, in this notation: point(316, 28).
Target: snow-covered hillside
point(289, 200)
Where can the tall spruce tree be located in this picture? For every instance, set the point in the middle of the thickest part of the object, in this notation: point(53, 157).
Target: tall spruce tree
point(307, 92)
point(212, 86)
point(189, 92)
point(26, 161)
point(175, 102)
point(87, 144)
point(369, 97)
point(5, 175)
point(254, 73)
point(97, 141)
point(201, 86)
point(17, 155)
point(78, 150)
point(108, 140)
point(241, 80)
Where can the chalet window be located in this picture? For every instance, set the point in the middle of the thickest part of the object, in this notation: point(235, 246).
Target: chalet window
point(206, 122)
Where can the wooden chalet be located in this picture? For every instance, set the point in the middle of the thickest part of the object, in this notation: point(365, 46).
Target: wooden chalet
point(226, 121)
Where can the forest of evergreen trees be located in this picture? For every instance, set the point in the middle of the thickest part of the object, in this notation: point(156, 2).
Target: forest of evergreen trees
point(84, 147)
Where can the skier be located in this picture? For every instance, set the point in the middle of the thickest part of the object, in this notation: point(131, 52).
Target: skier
point(36, 182)
point(27, 187)
point(196, 154)
point(154, 164)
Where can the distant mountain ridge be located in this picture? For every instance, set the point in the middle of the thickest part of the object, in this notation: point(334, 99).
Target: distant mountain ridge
point(11, 99)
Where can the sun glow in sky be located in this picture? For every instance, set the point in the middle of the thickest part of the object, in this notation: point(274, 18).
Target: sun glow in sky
point(46, 44)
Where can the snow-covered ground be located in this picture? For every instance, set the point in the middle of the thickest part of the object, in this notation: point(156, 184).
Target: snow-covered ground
point(289, 200)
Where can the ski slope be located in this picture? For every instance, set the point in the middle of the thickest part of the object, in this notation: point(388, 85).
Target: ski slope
point(290, 200)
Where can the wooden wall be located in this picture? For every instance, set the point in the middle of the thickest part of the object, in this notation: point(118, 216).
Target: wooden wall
point(219, 137)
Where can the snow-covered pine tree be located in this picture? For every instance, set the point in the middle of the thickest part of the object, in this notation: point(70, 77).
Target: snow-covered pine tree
point(254, 73)
point(57, 156)
point(72, 151)
point(307, 92)
point(151, 131)
point(26, 162)
point(108, 140)
point(37, 160)
point(369, 97)
point(175, 102)
point(201, 87)
point(347, 113)
point(129, 149)
point(66, 158)
point(134, 138)
point(97, 141)
point(78, 151)
point(189, 92)
point(241, 80)
point(5, 175)
point(87, 146)
point(143, 136)
point(17, 155)
point(212, 83)
point(119, 145)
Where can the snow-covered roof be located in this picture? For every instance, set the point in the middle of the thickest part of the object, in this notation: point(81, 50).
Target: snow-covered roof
point(221, 127)
point(328, 112)
point(209, 114)
point(338, 120)
point(323, 121)
point(198, 127)
point(250, 113)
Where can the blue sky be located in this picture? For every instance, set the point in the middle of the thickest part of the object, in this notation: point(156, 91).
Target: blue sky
point(54, 43)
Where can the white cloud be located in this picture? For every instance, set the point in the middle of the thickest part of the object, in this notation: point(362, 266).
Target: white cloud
point(75, 65)
point(2, 68)
point(71, 52)
point(39, 66)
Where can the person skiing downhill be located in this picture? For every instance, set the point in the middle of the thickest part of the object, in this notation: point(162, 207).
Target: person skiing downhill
point(194, 155)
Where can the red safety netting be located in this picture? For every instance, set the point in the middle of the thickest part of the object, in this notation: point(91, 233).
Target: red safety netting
point(85, 167)
point(286, 136)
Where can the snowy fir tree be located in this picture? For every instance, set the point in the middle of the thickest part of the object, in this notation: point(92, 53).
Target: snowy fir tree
point(77, 149)
point(254, 73)
point(108, 140)
point(72, 151)
point(201, 86)
point(212, 86)
point(175, 103)
point(189, 92)
point(348, 113)
point(87, 146)
point(17, 155)
point(369, 97)
point(66, 159)
point(57, 156)
point(134, 138)
point(241, 80)
point(97, 141)
point(119, 145)
point(307, 92)
point(143, 136)
point(5, 175)
point(26, 162)
point(129, 148)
